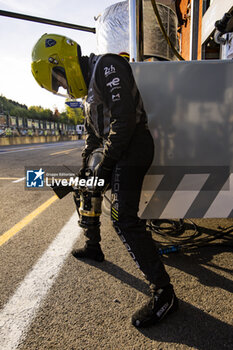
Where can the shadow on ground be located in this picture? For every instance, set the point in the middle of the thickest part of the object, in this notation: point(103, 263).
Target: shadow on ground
point(191, 326)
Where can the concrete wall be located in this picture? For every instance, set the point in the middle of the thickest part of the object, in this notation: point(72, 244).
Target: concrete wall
point(6, 141)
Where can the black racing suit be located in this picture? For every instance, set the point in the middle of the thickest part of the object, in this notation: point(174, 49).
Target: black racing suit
point(115, 117)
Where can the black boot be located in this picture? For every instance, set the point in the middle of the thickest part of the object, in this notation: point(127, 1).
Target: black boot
point(91, 249)
point(162, 303)
point(92, 252)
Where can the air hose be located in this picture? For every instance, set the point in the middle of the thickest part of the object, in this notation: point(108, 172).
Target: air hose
point(172, 235)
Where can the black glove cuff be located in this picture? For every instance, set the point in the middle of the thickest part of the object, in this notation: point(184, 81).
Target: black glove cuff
point(84, 162)
point(108, 163)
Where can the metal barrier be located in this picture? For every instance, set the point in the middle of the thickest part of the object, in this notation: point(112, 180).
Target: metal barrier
point(12, 126)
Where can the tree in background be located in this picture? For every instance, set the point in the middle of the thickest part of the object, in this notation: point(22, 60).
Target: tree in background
point(56, 112)
point(69, 116)
point(10, 107)
point(39, 112)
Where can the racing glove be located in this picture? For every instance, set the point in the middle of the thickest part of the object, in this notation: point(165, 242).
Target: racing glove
point(102, 172)
point(82, 170)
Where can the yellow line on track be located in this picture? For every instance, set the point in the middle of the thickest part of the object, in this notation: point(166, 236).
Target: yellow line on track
point(66, 151)
point(25, 221)
point(9, 178)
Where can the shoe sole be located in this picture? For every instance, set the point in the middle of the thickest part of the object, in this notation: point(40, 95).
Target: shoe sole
point(98, 259)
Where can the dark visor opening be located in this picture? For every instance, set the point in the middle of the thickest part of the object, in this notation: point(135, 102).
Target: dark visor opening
point(57, 74)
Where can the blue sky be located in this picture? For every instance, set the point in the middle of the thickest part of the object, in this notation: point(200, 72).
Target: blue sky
point(17, 38)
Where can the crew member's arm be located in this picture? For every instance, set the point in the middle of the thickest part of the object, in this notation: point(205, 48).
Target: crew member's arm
point(91, 143)
point(116, 84)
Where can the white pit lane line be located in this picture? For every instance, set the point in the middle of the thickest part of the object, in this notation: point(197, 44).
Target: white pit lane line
point(19, 180)
point(21, 309)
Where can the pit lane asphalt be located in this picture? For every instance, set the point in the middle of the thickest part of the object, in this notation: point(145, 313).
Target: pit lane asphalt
point(89, 305)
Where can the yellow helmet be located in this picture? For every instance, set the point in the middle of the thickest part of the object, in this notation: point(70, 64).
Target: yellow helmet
point(55, 63)
point(125, 55)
